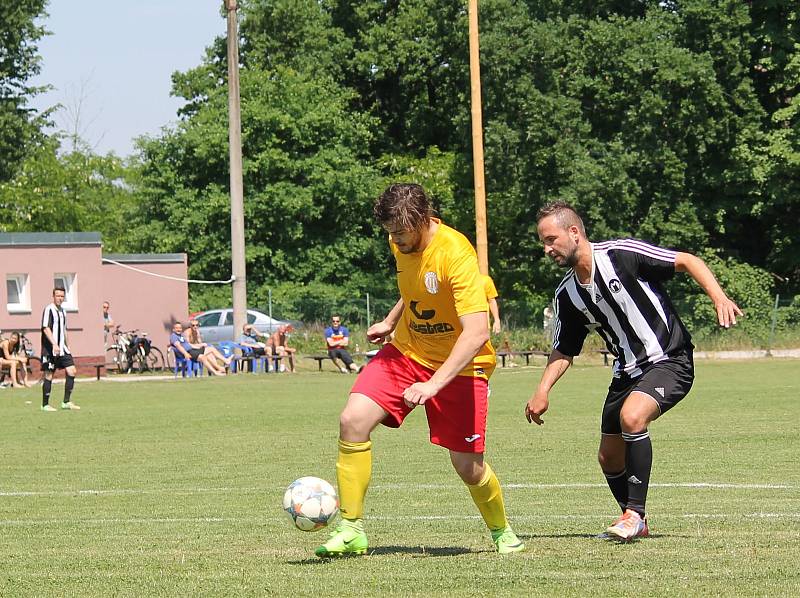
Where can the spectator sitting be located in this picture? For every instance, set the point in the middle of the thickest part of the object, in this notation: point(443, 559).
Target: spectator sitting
point(183, 347)
point(250, 340)
point(210, 352)
point(337, 337)
point(277, 343)
point(13, 356)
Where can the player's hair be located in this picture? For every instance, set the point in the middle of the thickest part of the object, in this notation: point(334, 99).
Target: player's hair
point(59, 288)
point(404, 204)
point(564, 213)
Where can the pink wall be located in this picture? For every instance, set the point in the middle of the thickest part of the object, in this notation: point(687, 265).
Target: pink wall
point(138, 300)
point(84, 326)
point(148, 303)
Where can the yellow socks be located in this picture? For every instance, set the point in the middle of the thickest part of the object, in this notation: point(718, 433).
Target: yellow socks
point(488, 497)
point(353, 471)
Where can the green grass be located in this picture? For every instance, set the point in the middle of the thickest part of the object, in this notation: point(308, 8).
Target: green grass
point(174, 488)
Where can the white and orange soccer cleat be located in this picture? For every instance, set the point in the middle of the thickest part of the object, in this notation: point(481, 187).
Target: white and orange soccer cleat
point(629, 526)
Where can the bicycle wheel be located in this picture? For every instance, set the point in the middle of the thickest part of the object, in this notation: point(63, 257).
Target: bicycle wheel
point(115, 361)
point(155, 360)
point(35, 373)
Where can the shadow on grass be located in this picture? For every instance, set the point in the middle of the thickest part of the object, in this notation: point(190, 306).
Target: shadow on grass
point(418, 551)
point(592, 536)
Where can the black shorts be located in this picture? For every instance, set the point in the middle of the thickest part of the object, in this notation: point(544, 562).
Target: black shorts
point(195, 353)
point(667, 382)
point(51, 363)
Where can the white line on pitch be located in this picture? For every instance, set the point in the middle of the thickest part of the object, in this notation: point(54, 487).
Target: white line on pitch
point(224, 489)
point(273, 519)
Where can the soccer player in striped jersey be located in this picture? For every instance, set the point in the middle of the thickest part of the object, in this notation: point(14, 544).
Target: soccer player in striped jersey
point(55, 352)
point(615, 288)
point(439, 359)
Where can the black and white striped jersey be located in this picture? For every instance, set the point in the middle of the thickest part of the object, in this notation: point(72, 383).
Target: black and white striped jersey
point(55, 319)
point(625, 303)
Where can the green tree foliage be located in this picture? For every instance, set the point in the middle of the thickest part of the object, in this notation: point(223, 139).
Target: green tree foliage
point(19, 61)
point(676, 122)
point(76, 191)
point(307, 180)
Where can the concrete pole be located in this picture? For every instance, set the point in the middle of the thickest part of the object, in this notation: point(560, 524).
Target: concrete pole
point(237, 193)
point(481, 243)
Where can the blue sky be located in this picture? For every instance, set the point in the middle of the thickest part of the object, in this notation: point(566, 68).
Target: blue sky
point(122, 53)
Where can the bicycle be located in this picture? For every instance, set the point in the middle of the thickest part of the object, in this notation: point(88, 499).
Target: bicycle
point(34, 376)
point(131, 350)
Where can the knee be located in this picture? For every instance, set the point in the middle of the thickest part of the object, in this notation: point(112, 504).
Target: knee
point(633, 421)
point(350, 424)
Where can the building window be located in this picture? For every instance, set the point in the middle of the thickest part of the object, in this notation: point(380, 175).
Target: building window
point(70, 284)
point(18, 293)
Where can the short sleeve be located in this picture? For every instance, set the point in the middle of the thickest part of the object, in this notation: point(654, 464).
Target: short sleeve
point(569, 327)
point(489, 288)
point(648, 262)
point(465, 281)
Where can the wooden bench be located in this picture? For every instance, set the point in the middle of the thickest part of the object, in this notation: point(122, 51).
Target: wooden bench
point(605, 353)
point(526, 354)
point(320, 358)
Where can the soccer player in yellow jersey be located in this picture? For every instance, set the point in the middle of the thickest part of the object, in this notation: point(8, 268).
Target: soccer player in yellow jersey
point(439, 357)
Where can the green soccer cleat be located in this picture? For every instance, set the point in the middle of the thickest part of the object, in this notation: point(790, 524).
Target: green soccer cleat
point(506, 541)
point(347, 539)
point(69, 406)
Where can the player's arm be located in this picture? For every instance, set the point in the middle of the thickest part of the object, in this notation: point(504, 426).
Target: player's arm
point(474, 335)
point(557, 364)
point(495, 311)
point(726, 309)
point(179, 347)
point(380, 331)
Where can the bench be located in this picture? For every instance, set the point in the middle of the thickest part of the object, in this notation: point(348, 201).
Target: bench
point(320, 358)
point(98, 367)
point(605, 353)
point(527, 354)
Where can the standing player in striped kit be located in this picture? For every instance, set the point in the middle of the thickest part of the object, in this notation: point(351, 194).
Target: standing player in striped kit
point(615, 288)
point(55, 352)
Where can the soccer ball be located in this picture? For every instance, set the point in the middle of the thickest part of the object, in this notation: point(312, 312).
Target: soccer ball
point(311, 503)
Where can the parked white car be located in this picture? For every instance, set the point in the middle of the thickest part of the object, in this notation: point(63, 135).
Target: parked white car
point(216, 325)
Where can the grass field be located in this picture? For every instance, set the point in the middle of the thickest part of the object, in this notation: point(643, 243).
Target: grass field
point(174, 488)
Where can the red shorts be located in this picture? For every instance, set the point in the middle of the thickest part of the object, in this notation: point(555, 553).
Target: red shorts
point(456, 416)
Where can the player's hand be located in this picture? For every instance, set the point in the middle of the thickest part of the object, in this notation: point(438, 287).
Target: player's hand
point(418, 393)
point(378, 332)
point(496, 327)
point(536, 407)
point(727, 311)
point(56, 350)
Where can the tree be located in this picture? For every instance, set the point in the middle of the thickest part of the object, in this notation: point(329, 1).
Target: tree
point(75, 191)
point(19, 62)
point(307, 180)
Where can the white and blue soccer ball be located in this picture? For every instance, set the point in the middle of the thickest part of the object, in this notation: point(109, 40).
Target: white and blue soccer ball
point(311, 503)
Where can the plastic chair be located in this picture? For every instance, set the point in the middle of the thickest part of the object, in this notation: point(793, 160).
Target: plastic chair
point(228, 348)
point(187, 367)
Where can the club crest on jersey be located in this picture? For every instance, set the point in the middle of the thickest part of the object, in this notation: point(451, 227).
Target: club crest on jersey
point(615, 285)
point(431, 283)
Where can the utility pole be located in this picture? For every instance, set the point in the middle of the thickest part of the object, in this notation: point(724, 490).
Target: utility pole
point(481, 242)
point(237, 193)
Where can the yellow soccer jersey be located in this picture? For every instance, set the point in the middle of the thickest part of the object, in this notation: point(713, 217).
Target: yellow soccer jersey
point(488, 287)
point(437, 286)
